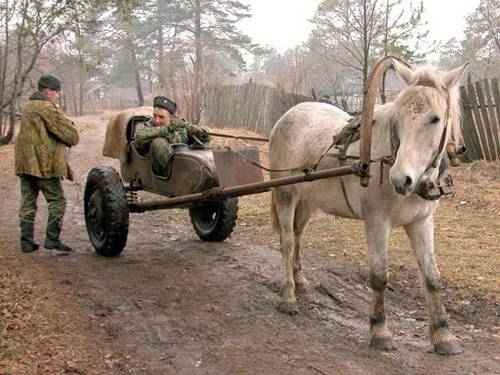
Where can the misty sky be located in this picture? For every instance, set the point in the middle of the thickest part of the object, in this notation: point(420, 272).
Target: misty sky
point(284, 24)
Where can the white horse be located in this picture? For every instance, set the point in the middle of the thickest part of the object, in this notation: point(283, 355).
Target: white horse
point(302, 135)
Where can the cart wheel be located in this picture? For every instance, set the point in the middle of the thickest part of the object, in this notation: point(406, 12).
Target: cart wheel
point(106, 211)
point(214, 221)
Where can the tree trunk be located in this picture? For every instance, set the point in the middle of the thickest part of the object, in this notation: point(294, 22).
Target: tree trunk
point(172, 83)
point(366, 50)
point(383, 97)
point(197, 101)
point(138, 87)
point(161, 76)
point(63, 102)
point(80, 96)
point(18, 81)
point(81, 79)
point(74, 99)
point(4, 54)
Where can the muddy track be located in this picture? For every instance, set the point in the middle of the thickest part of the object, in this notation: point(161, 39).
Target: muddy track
point(172, 304)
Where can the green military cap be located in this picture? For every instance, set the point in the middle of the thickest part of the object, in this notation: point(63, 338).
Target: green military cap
point(50, 82)
point(163, 102)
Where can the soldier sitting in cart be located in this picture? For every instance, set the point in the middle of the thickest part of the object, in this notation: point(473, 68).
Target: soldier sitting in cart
point(155, 137)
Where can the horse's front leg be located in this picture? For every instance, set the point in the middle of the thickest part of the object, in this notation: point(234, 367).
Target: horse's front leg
point(421, 235)
point(377, 235)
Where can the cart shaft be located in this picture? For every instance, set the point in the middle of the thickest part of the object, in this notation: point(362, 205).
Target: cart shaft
point(248, 189)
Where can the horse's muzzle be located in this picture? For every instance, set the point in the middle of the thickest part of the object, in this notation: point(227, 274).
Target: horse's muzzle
point(403, 184)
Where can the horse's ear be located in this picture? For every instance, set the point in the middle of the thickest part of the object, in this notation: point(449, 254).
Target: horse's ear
point(403, 71)
point(450, 79)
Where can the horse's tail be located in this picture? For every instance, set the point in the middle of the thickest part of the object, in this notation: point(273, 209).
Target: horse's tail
point(274, 215)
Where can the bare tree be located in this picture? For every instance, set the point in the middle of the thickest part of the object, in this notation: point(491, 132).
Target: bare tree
point(7, 13)
point(354, 33)
point(33, 23)
point(481, 45)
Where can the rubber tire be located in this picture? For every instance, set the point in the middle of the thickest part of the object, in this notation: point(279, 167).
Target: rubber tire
point(104, 188)
point(214, 221)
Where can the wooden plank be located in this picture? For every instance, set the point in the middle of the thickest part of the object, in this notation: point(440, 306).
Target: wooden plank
point(225, 104)
point(478, 125)
point(496, 97)
point(266, 128)
point(262, 110)
point(470, 137)
point(260, 118)
point(493, 119)
point(248, 112)
point(238, 107)
point(252, 115)
point(232, 106)
point(220, 106)
point(260, 124)
point(490, 142)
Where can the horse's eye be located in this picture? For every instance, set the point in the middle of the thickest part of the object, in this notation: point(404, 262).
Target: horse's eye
point(435, 120)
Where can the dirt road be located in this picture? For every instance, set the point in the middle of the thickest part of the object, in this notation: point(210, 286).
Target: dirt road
point(172, 304)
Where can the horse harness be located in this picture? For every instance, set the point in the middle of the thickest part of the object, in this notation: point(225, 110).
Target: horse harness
point(427, 189)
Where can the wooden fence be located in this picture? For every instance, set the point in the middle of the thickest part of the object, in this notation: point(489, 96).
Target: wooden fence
point(110, 102)
point(257, 108)
point(481, 119)
point(250, 106)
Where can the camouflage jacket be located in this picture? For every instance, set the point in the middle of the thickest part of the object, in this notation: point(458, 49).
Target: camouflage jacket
point(177, 131)
point(44, 134)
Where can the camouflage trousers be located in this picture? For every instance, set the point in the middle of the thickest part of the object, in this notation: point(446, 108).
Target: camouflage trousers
point(159, 155)
point(51, 189)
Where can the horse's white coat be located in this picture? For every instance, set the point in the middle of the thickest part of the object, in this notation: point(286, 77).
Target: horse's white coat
point(304, 133)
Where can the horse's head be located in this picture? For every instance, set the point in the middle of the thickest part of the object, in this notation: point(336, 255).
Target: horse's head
point(426, 115)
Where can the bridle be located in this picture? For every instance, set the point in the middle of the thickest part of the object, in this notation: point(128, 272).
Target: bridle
point(426, 187)
point(426, 183)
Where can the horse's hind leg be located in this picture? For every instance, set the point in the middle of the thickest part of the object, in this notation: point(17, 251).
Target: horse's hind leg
point(421, 234)
point(285, 203)
point(302, 215)
point(377, 235)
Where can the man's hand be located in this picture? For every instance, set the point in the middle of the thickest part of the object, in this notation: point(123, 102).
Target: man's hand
point(204, 134)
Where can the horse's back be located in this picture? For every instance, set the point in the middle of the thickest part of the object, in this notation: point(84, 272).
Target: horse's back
point(303, 132)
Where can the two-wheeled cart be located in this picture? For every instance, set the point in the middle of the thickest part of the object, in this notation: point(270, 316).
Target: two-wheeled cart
point(207, 181)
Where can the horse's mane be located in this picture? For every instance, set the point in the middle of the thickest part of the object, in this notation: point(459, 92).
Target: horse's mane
point(428, 83)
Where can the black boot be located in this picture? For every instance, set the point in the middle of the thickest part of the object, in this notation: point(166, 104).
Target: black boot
point(28, 244)
point(52, 241)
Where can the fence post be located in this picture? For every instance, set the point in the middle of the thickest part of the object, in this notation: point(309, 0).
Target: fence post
point(477, 121)
point(470, 136)
point(494, 121)
point(496, 96)
point(490, 141)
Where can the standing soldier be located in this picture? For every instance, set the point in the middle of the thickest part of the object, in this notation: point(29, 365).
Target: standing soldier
point(41, 162)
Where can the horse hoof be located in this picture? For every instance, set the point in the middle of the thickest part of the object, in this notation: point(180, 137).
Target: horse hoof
point(448, 348)
point(382, 343)
point(289, 308)
point(302, 288)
